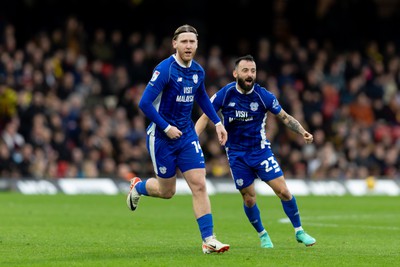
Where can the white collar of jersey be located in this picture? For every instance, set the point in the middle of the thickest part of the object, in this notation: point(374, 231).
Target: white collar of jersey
point(245, 93)
point(180, 64)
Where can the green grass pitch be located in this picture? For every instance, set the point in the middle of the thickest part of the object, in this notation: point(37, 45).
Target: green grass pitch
point(99, 230)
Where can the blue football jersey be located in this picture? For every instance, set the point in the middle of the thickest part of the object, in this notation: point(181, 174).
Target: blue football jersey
point(244, 115)
point(168, 97)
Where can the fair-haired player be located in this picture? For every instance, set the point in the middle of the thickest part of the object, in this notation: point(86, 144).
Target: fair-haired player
point(244, 105)
point(172, 142)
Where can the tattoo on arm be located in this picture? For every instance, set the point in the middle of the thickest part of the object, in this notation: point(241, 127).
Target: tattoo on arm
point(291, 122)
point(295, 125)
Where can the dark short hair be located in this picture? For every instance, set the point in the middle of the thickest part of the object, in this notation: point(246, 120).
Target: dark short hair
point(245, 58)
point(184, 28)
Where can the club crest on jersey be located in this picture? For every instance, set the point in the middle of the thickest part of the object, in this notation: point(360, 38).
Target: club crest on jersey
point(195, 78)
point(253, 106)
point(155, 75)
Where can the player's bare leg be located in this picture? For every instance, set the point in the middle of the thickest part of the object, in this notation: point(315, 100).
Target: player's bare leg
point(196, 180)
point(161, 187)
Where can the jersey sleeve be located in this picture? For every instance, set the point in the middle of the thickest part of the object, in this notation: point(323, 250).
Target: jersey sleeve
point(150, 94)
point(216, 100)
point(272, 103)
point(275, 107)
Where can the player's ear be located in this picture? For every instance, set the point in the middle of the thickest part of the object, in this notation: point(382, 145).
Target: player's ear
point(234, 73)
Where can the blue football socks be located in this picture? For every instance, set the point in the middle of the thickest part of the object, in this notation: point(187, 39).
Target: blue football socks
point(141, 188)
point(253, 214)
point(291, 210)
point(206, 226)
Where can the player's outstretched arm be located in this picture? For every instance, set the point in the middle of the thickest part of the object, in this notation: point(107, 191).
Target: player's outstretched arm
point(295, 126)
point(201, 124)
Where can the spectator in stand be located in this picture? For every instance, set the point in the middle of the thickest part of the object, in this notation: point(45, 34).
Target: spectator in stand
point(6, 162)
point(8, 103)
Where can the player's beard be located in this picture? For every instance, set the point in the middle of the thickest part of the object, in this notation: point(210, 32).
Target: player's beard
point(244, 86)
point(186, 58)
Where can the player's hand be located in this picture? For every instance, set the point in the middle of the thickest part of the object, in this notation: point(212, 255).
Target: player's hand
point(174, 133)
point(308, 138)
point(222, 134)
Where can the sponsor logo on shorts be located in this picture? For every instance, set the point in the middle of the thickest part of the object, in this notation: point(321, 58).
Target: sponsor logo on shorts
point(163, 170)
point(239, 182)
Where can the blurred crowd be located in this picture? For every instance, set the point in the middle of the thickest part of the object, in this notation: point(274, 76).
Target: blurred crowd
point(69, 104)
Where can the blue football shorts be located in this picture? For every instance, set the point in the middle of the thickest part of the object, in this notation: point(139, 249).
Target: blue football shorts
point(167, 155)
point(246, 166)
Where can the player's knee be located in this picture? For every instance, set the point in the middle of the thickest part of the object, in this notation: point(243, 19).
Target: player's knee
point(249, 201)
point(199, 188)
point(284, 194)
point(167, 194)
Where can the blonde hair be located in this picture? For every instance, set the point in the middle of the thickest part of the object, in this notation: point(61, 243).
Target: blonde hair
point(184, 28)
